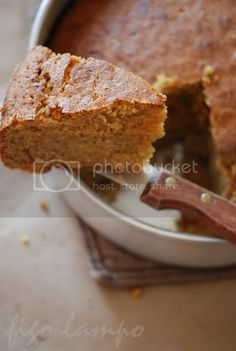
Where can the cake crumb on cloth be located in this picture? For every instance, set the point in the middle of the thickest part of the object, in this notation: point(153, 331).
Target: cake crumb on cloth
point(136, 293)
point(24, 239)
point(44, 205)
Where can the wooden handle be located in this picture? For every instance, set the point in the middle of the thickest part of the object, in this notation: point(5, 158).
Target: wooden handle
point(170, 191)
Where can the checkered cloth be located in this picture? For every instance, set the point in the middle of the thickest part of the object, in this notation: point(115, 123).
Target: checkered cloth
point(114, 266)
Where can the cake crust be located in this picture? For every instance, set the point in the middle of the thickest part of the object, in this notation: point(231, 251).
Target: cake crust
point(93, 84)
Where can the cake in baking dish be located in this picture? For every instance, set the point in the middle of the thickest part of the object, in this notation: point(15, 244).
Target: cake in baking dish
point(187, 49)
point(64, 107)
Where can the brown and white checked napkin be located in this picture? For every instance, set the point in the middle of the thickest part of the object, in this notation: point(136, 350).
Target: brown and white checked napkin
point(117, 267)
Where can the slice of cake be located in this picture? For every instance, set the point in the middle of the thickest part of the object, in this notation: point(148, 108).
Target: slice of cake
point(63, 107)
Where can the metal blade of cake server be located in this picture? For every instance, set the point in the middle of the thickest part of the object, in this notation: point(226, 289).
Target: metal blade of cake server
point(134, 180)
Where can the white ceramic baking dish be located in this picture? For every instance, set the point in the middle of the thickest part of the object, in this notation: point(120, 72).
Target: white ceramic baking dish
point(149, 235)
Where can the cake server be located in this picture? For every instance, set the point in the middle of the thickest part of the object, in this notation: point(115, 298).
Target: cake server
point(161, 189)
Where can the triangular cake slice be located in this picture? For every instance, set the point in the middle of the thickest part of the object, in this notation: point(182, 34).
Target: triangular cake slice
point(63, 107)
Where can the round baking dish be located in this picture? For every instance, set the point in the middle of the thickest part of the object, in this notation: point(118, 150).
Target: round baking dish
point(119, 225)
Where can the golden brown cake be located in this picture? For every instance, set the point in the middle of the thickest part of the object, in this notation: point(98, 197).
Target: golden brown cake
point(186, 48)
point(63, 107)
